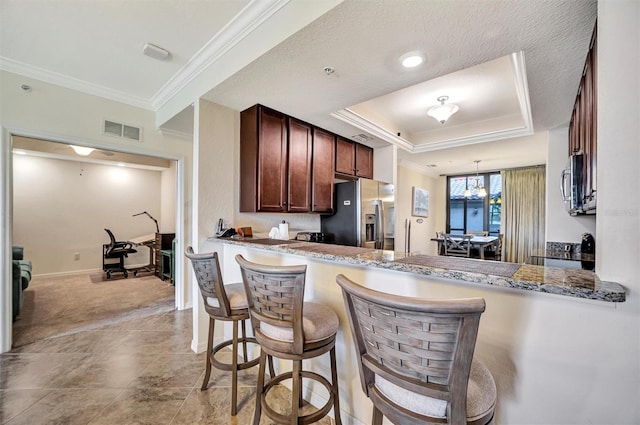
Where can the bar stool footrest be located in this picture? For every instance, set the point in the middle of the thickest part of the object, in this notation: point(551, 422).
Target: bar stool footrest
point(305, 419)
point(228, 366)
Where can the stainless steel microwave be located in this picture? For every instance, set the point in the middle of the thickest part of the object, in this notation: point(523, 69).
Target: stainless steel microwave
point(573, 187)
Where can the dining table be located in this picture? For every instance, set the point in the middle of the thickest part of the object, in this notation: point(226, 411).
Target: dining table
point(477, 242)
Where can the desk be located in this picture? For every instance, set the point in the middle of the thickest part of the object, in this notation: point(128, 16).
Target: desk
point(148, 241)
point(156, 242)
point(477, 242)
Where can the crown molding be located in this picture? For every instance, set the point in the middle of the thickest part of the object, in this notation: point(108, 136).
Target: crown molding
point(243, 24)
point(252, 16)
point(177, 134)
point(40, 74)
point(370, 127)
point(472, 140)
point(522, 90)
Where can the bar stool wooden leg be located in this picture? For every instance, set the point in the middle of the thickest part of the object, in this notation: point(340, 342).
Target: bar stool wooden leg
point(377, 416)
point(207, 369)
point(234, 370)
point(334, 381)
point(244, 341)
point(272, 372)
point(296, 391)
point(260, 388)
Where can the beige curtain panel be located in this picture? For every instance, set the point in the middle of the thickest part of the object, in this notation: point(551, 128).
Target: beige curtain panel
point(523, 203)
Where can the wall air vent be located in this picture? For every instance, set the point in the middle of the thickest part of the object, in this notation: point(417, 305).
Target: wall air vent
point(123, 131)
point(362, 137)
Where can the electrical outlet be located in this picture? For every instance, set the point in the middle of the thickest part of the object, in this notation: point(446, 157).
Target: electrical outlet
point(76, 256)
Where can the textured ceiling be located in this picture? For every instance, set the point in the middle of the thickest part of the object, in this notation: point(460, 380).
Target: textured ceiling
point(363, 41)
point(96, 46)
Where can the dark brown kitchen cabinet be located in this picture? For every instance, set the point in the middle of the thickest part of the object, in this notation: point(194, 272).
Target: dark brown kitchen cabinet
point(364, 161)
point(323, 171)
point(263, 160)
point(299, 166)
point(583, 124)
point(353, 159)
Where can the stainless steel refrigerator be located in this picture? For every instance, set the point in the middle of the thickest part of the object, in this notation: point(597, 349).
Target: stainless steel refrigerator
point(364, 215)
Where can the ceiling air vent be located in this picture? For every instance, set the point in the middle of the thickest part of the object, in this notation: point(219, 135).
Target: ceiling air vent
point(362, 137)
point(124, 131)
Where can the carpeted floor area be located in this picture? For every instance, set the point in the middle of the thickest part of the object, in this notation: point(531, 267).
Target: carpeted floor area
point(60, 305)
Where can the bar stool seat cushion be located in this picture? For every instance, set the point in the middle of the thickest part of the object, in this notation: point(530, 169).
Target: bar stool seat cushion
point(318, 322)
point(236, 295)
point(481, 395)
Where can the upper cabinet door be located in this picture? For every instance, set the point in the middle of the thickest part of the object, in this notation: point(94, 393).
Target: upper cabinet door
point(272, 161)
point(345, 157)
point(323, 171)
point(299, 172)
point(364, 161)
point(263, 160)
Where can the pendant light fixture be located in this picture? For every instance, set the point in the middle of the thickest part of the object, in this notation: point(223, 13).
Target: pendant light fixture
point(443, 111)
point(478, 188)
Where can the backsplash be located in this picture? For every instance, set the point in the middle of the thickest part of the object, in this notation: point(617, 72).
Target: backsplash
point(263, 222)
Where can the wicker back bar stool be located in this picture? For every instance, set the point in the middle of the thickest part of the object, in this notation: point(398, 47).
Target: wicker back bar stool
point(416, 357)
point(226, 303)
point(289, 328)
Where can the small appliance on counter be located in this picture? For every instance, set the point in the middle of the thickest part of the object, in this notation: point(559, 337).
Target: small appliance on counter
point(588, 245)
point(221, 232)
point(588, 249)
point(310, 236)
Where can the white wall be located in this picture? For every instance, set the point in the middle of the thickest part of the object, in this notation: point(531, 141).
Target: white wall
point(562, 227)
point(55, 113)
point(421, 233)
point(62, 207)
point(618, 218)
point(168, 199)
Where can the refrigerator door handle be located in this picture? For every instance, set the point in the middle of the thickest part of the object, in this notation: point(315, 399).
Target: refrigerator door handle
point(379, 225)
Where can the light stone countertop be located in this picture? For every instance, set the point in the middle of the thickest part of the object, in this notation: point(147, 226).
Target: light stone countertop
point(568, 282)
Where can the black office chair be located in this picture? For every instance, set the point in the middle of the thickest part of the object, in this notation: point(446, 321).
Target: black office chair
point(116, 250)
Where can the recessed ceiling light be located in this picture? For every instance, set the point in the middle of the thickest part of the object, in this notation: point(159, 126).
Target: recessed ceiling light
point(412, 59)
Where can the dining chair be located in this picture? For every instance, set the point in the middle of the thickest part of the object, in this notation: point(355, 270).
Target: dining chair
point(478, 232)
point(416, 358)
point(226, 303)
point(495, 253)
point(457, 245)
point(287, 327)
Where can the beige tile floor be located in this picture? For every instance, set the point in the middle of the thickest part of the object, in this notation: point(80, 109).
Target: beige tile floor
point(137, 371)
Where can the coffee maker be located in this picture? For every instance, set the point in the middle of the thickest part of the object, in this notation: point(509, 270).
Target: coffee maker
point(588, 247)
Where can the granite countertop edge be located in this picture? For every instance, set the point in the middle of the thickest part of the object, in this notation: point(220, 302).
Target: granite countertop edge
point(593, 290)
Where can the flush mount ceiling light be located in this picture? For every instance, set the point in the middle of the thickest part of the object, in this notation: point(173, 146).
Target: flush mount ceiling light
point(155, 52)
point(81, 150)
point(478, 188)
point(443, 111)
point(412, 59)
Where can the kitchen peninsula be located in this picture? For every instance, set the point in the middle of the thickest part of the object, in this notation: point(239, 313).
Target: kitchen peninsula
point(554, 280)
point(531, 310)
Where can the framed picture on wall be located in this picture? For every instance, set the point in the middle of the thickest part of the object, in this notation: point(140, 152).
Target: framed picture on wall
point(420, 204)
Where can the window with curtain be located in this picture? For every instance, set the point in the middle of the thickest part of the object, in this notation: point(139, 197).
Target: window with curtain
point(523, 212)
